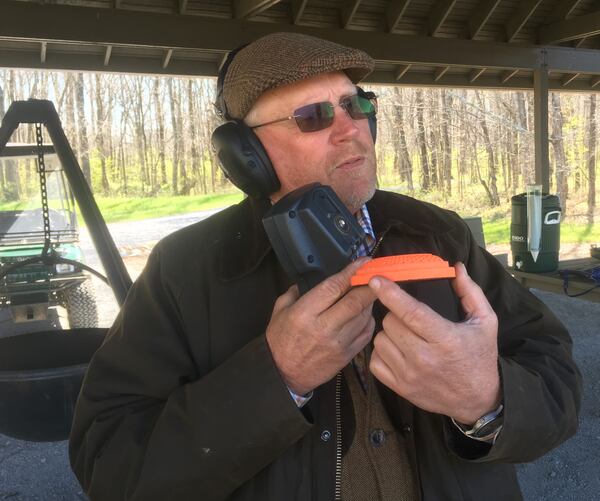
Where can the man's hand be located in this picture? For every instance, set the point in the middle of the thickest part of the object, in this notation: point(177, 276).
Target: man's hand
point(314, 336)
point(438, 365)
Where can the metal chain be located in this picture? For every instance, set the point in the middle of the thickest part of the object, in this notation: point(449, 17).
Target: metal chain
point(43, 189)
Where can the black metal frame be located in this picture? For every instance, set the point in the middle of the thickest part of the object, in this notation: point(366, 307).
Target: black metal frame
point(43, 112)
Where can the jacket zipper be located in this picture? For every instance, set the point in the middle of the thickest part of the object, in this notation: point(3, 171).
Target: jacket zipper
point(338, 437)
point(338, 410)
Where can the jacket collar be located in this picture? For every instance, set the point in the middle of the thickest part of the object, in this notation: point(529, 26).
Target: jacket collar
point(247, 244)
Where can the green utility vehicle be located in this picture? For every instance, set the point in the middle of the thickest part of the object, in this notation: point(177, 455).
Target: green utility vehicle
point(45, 279)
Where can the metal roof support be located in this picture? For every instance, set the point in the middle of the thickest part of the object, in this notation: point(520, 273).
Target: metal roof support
point(563, 9)
point(107, 54)
point(507, 75)
point(400, 72)
point(348, 11)
point(475, 74)
point(440, 72)
point(524, 11)
point(243, 9)
point(167, 58)
point(298, 7)
point(570, 29)
point(568, 79)
point(439, 14)
point(395, 12)
point(481, 15)
point(540, 112)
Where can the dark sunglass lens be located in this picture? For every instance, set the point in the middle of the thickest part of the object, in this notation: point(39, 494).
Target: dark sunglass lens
point(313, 117)
point(358, 107)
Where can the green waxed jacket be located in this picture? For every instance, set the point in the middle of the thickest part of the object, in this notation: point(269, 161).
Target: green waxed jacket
point(183, 401)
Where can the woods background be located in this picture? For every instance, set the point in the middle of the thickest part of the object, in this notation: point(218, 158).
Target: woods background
point(471, 150)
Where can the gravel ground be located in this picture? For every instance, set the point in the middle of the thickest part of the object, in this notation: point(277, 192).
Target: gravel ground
point(40, 471)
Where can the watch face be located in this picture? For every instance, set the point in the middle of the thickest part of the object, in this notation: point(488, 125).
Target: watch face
point(489, 427)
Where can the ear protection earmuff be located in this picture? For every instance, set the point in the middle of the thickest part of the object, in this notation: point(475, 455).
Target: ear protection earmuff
point(241, 155)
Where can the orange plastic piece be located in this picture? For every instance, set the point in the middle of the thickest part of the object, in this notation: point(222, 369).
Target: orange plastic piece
point(403, 268)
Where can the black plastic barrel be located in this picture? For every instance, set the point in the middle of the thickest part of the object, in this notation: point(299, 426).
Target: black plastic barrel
point(40, 378)
point(547, 259)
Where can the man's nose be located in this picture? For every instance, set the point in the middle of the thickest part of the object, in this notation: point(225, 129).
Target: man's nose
point(344, 126)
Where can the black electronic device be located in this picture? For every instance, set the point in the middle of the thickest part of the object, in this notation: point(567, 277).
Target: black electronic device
point(241, 155)
point(313, 234)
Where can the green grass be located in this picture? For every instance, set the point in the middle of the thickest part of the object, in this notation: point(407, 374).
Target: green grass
point(498, 232)
point(124, 209)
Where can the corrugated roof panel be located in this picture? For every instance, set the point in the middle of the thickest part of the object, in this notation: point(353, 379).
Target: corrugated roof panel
point(160, 6)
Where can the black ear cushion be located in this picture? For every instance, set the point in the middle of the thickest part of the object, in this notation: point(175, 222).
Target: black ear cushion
point(244, 159)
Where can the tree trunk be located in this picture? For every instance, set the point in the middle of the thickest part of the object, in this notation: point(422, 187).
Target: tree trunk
point(161, 131)
point(591, 159)
point(561, 169)
point(425, 173)
point(100, 128)
point(492, 188)
point(175, 173)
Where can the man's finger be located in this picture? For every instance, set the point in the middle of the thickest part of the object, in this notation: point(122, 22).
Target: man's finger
point(381, 370)
point(471, 296)
point(351, 305)
point(287, 299)
point(330, 290)
point(417, 316)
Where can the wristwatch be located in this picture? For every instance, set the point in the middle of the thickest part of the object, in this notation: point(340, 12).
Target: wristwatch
point(486, 428)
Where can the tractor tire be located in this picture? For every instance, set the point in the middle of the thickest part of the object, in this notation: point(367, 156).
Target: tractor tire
point(80, 302)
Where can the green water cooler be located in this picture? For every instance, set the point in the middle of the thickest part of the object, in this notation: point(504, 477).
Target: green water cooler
point(547, 259)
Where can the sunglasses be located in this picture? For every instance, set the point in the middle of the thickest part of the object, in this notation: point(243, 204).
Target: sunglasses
point(319, 116)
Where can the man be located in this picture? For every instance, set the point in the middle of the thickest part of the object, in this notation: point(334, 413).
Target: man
point(218, 381)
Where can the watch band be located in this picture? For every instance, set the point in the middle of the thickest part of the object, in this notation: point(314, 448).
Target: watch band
point(486, 428)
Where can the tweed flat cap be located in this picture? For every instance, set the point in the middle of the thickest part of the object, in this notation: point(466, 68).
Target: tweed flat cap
point(282, 58)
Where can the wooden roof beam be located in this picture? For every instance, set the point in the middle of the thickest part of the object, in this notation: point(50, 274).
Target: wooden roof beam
point(594, 81)
point(570, 29)
point(298, 7)
point(439, 73)
point(43, 48)
point(243, 9)
point(395, 12)
point(507, 75)
point(481, 16)
point(439, 14)
point(167, 58)
point(107, 54)
point(348, 10)
point(568, 79)
point(475, 74)
point(563, 10)
point(524, 11)
point(401, 71)
point(116, 4)
point(182, 6)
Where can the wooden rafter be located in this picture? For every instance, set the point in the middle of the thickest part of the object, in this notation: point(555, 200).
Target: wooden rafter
point(348, 10)
point(507, 75)
point(524, 11)
point(570, 29)
point(298, 7)
point(43, 49)
point(395, 12)
point(243, 9)
point(439, 73)
point(481, 15)
point(401, 71)
point(182, 6)
point(568, 79)
point(475, 74)
point(167, 58)
point(107, 54)
point(439, 14)
point(563, 10)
